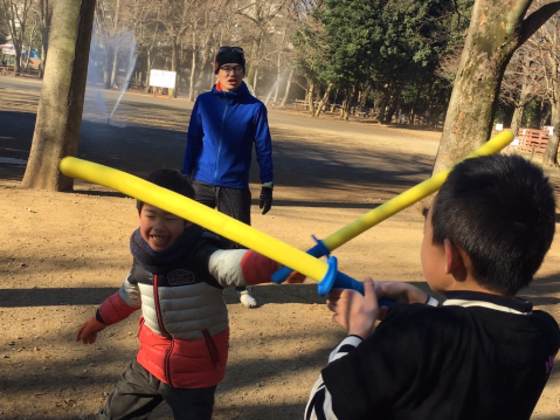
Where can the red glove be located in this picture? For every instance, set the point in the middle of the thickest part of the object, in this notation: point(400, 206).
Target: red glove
point(295, 277)
point(88, 332)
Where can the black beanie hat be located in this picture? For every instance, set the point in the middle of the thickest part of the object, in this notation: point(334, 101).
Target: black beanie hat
point(232, 55)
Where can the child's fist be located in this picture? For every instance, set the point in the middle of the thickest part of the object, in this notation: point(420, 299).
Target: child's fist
point(295, 278)
point(88, 332)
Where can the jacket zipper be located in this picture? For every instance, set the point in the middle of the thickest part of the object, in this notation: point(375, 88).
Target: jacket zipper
point(212, 349)
point(164, 332)
point(220, 144)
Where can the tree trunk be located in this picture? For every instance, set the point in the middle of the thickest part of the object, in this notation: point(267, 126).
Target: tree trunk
point(277, 84)
point(108, 65)
point(148, 69)
point(324, 99)
point(115, 68)
point(193, 68)
point(344, 104)
point(381, 101)
point(365, 95)
point(45, 28)
point(199, 85)
point(550, 157)
point(30, 45)
point(350, 101)
point(251, 74)
point(253, 86)
point(309, 97)
point(536, 118)
point(516, 119)
point(17, 62)
point(394, 104)
point(494, 34)
point(175, 65)
point(116, 48)
point(149, 60)
point(59, 114)
point(519, 108)
point(44, 51)
point(287, 90)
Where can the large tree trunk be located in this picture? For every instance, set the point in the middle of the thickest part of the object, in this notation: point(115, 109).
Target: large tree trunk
point(551, 153)
point(59, 115)
point(468, 123)
point(494, 34)
point(17, 62)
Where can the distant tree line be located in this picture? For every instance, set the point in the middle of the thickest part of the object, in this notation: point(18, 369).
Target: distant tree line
point(388, 59)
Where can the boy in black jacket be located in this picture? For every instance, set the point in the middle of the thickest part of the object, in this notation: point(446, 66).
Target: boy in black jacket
point(482, 354)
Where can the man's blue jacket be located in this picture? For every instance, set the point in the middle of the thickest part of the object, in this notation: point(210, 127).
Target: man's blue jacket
point(222, 130)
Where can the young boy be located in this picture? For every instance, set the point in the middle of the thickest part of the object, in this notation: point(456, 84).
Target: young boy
point(482, 354)
point(177, 277)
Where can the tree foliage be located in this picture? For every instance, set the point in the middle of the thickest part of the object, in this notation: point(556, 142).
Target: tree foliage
point(495, 33)
point(426, 62)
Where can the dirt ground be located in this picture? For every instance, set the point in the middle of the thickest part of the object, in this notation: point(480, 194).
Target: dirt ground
point(61, 254)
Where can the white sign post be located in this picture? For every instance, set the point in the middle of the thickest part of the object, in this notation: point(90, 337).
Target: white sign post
point(162, 79)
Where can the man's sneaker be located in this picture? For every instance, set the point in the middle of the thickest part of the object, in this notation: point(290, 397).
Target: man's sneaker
point(246, 299)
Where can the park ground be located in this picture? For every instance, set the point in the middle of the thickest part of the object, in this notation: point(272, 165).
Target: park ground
point(61, 254)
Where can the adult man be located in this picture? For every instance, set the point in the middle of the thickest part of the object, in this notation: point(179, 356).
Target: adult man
point(224, 125)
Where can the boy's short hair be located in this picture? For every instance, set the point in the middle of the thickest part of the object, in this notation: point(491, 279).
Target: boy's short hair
point(500, 210)
point(172, 180)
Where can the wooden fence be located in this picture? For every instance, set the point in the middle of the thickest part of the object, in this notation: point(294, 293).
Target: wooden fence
point(533, 141)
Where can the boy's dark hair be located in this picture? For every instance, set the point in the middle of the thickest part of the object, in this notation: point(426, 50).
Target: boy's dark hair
point(172, 180)
point(500, 210)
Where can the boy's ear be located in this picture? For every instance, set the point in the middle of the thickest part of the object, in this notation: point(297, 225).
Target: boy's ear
point(454, 261)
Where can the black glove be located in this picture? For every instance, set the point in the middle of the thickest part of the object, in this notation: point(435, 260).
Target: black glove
point(266, 199)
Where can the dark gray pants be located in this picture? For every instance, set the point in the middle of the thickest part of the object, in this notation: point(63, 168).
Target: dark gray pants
point(138, 393)
point(231, 201)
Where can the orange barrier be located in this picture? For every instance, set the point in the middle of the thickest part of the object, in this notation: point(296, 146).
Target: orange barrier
point(532, 140)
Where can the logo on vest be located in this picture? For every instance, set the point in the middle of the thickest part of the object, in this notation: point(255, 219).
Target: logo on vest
point(181, 277)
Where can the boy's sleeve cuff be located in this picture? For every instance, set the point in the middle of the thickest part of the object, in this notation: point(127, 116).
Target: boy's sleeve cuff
point(432, 301)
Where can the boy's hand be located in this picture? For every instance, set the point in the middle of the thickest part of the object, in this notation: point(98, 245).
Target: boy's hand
point(400, 292)
point(295, 277)
point(88, 332)
point(355, 312)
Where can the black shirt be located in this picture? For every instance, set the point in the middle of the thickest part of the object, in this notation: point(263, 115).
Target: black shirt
point(477, 357)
